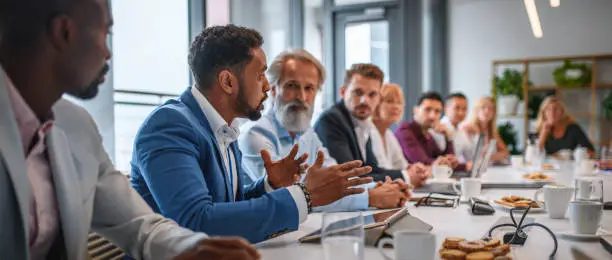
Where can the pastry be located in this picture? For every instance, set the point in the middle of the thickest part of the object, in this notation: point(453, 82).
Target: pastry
point(491, 243)
point(452, 254)
point(502, 258)
point(483, 255)
point(517, 202)
point(547, 166)
point(501, 250)
point(471, 246)
point(452, 242)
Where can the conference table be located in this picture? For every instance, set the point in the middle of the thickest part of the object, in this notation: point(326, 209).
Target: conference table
point(458, 222)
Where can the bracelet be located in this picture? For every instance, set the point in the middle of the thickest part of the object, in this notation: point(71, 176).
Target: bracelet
point(306, 195)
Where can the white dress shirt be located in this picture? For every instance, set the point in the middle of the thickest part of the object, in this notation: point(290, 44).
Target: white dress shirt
point(462, 144)
point(363, 129)
point(388, 152)
point(268, 133)
point(225, 136)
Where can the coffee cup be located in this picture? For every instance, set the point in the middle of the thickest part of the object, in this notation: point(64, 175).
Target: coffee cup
point(586, 167)
point(589, 188)
point(556, 198)
point(585, 216)
point(410, 245)
point(516, 161)
point(469, 187)
point(442, 172)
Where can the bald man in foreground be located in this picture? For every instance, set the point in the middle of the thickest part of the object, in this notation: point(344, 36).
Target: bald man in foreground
point(56, 181)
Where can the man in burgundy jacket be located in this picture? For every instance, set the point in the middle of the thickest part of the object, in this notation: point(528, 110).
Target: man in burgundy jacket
point(416, 137)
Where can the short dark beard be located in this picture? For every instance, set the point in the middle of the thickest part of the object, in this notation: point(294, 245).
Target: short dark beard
point(92, 90)
point(242, 106)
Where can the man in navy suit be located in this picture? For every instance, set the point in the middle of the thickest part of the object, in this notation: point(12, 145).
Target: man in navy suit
point(186, 162)
point(345, 128)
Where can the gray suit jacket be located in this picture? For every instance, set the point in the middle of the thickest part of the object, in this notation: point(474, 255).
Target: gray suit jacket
point(92, 194)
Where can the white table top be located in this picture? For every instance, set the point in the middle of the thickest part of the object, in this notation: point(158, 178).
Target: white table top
point(458, 222)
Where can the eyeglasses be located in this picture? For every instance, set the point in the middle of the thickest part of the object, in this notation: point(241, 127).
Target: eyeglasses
point(433, 201)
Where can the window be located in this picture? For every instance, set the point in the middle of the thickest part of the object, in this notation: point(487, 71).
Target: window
point(368, 42)
point(351, 2)
point(270, 18)
point(150, 46)
point(313, 42)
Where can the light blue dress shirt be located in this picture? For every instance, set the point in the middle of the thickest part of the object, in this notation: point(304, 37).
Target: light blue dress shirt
point(267, 133)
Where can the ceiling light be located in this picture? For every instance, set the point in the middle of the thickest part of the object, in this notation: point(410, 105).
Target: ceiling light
point(555, 3)
point(534, 18)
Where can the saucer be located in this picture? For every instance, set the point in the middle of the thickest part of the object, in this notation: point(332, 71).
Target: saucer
point(570, 235)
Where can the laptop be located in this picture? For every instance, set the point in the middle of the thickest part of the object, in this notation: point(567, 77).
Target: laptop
point(476, 156)
point(480, 161)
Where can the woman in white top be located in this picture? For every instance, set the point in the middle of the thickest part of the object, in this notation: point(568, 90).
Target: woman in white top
point(384, 144)
point(483, 121)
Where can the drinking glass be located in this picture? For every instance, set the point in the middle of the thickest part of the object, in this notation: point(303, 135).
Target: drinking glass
point(605, 159)
point(343, 235)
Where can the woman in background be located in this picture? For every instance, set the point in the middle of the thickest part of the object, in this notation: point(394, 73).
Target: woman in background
point(384, 144)
point(482, 121)
point(558, 130)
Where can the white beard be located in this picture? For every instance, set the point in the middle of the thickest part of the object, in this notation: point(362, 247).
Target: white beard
point(293, 121)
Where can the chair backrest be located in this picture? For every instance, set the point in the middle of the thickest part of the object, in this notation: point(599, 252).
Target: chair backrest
point(99, 248)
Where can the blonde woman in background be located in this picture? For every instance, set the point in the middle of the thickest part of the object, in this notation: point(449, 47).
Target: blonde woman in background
point(384, 144)
point(558, 130)
point(482, 121)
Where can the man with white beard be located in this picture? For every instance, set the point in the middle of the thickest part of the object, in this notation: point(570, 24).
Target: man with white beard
point(296, 77)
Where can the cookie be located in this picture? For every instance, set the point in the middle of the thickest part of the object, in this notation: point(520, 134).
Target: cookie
point(452, 254)
point(501, 250)
point(491, 243)
point(452, 242)
point(483, 255)
point(471, 246)
point(502, 258)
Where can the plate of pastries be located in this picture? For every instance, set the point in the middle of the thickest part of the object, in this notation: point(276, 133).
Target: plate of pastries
point(510, 202)
point(455, 248)
point(537, 177)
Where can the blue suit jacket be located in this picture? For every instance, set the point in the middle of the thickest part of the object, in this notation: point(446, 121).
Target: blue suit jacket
point(177, 169)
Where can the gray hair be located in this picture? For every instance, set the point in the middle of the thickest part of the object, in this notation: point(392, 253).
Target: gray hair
point(276, 67)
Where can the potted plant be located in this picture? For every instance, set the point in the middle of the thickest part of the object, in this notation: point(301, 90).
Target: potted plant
point(508, 135)
point(572, 75)
point(606, 106)
point(509, 88)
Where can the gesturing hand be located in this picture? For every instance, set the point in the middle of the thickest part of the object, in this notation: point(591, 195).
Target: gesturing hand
point(327, 185)
point(221, 249)
point(286, 171)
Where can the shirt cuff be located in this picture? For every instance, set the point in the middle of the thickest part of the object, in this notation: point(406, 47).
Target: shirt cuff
point(267, 185)
point(406, 176)
point(300, 202)
point(362, 200)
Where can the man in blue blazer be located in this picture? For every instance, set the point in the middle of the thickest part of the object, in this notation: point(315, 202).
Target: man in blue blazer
point(187, 165)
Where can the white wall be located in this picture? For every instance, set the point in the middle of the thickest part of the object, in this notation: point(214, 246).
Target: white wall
point(485, 30)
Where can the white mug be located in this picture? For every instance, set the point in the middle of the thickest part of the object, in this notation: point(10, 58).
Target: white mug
point(556, 198)
point(442, 172)
point(585, 216)
point(580, 153)
point(588, 188)
point(516, 161)
point(586, 167)
point(470, 187)
point(410, 245)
